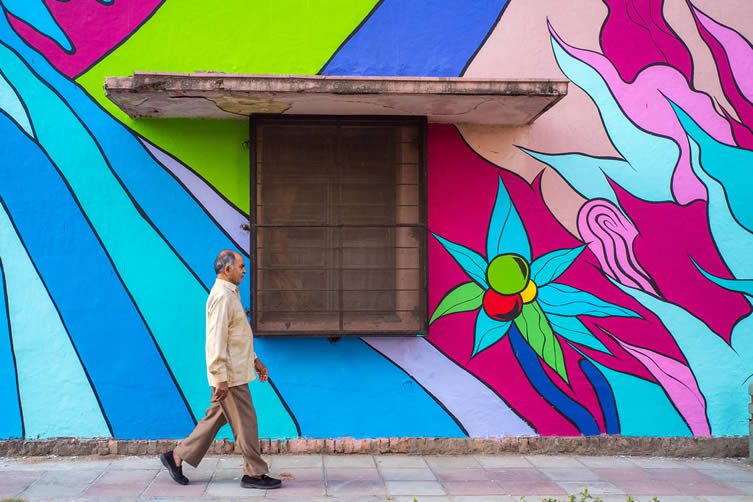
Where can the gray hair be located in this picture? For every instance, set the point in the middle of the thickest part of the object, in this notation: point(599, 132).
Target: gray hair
point(226, 258)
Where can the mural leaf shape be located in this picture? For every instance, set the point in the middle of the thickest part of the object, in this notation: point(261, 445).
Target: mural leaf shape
point(471, 262)
point(488, 332)
point(563, 300)
point(571, 328)
point(537, 331)
point(506, 233)
point(550, 266)
point(463, 298)
point(744, 286)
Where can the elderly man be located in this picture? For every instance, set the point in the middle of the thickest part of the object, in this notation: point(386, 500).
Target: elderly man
point(231, 362)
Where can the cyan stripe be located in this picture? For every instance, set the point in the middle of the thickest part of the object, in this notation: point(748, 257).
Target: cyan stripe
point(56, 396)
point(136, 391)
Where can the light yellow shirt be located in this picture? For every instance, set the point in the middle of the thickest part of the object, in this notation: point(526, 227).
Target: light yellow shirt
point(230, 342)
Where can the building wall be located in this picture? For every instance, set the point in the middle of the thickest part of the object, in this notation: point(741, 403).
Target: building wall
point(623, 210)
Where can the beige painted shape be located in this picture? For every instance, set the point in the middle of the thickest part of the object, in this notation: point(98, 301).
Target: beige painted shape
point(520, 46)
point(573, 125)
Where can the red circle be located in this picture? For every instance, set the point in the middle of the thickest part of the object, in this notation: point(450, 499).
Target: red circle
point(502, 307)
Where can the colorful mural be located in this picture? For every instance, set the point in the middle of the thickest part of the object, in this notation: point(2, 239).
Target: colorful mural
point(588, 274)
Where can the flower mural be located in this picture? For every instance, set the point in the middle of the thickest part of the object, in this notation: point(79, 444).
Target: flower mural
point(507, 287)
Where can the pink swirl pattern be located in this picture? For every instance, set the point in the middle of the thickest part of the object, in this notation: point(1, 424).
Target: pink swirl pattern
point(610, 235)
point(644, 102)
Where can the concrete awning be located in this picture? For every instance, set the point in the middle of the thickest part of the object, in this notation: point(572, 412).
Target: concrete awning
point(233, 96)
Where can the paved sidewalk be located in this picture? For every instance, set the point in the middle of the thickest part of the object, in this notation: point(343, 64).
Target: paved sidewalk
point(386, 477)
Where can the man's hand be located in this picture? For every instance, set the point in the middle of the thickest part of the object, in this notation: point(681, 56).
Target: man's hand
point(220, 392)
point(261, 370)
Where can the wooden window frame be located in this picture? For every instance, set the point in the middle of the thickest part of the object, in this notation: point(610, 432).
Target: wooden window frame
point(421, 124)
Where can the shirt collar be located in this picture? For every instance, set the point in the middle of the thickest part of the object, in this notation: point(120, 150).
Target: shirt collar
point(226, 284)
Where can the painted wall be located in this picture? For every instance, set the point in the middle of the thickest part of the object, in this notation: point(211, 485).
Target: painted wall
point(588, 274)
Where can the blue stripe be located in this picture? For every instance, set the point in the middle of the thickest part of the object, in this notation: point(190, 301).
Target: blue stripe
point(563, 403)
point(604, 393)
point(11, 424)
point(172, 209)
point(134, 387)
point(346, 388)
point(417, 38)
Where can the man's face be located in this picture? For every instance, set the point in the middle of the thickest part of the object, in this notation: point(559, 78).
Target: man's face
point(237, 270)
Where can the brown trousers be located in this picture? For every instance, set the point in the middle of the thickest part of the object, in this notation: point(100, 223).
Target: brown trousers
point(238, 409)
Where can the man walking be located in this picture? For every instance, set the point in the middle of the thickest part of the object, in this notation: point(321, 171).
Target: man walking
point(231, 362)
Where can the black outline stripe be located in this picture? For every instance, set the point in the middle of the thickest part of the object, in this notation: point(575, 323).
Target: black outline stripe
point(481, 44)
point(10, 344)
point(137, 135)
point(349, 37)
point(190, 194)
point(287, 408)
point(62, 321)
point(482, 382)
point(700, 26)
point(23, 105)
point(117, 274)
point(9, 15)
point(112, 49)
point(135, 204)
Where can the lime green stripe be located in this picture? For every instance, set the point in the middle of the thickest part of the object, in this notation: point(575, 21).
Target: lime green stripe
point(238, 36)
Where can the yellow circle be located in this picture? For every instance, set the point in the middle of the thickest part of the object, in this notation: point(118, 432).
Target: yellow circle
point(529, 292)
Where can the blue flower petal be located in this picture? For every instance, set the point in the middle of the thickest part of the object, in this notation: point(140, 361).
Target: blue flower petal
point(559, 299)
point(506, 232)
point(488, 332)
point(549, 267)
point(472, 263)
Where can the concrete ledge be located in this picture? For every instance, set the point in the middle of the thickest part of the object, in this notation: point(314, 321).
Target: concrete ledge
point(720, 447)
point(236, 96)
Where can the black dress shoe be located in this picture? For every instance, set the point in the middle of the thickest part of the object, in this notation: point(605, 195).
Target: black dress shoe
point(176, 472)
point(263, 483)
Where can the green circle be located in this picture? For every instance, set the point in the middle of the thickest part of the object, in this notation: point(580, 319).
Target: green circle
point(508, 274)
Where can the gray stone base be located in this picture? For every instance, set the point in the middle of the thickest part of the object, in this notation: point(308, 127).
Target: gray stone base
point(593, 445)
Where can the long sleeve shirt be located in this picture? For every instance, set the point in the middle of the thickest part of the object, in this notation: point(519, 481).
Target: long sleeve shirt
point(230, 342)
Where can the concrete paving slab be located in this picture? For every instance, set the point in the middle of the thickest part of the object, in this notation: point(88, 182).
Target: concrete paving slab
point(137, 463)
point(342, 474)
point(349, 461)
point(553, 461)
point(61, 483)
point(406, 474)
point(595, 488)
point(744, 488)
point(656, 463)
point(296, 461)
point(570, 474)
point(485, 498)
point(164, 486)
point(303, 474)
point(352, 488)
point(415, 488)
point(14, 482)
point(606, 462)
point(502, 461)
point(462, 474)
point(400, 461)
point(483, 487)
point(121, 483)
point(453, 462)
